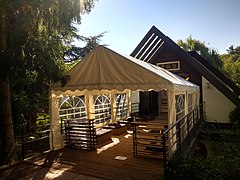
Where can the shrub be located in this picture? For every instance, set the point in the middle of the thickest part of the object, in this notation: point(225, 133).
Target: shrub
point(195, 168)
point(224, 164)
point(234, 117)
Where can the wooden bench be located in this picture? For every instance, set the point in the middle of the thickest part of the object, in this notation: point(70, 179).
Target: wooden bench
point(127, 122)
point(117, 128)
point(103, 135)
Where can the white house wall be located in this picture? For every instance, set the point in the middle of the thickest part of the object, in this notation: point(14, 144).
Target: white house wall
point(217, 106)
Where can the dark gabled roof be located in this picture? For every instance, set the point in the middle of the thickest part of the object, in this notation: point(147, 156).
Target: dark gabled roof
point(153, 44)
point(216, 72)
point(150, 45)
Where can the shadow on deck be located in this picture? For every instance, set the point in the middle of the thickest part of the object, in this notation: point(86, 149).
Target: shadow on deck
point(113, 160)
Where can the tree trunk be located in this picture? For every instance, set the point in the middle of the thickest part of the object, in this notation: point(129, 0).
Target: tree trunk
point(6, 126)
point(7, 141)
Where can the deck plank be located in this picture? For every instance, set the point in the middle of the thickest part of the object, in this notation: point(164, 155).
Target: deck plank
point(99, 163)
point(104, 165)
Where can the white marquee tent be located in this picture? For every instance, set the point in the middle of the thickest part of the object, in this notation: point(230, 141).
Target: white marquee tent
point(104, 71)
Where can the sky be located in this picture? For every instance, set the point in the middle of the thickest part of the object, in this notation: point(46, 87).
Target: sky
point(126, 22)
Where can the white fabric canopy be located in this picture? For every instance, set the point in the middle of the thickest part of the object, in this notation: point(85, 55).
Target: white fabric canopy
point(105, 69)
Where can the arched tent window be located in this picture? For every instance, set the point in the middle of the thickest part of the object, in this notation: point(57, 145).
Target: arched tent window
point(72, 108)
point(180, 106)
point(121, 105)
point(180, 112)
point(190, 108)
point(102, 109)
point(190, 102)
point(163, 101)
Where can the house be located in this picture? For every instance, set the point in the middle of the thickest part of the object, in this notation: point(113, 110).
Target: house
point(220, 95)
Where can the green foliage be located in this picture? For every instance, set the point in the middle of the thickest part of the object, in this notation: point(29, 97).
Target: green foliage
point(40, 129)
point(34, 36)
point(224, 164)
point(234, 50)
point(234, 117)
point(76, 53)
point(209, 54)
point(228, 63)
point(232, 64)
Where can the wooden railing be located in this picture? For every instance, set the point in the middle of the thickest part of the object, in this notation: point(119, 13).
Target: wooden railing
point(148, 139)
point(158, 141)
point(80, 134)
point(6, 154)
point(181, 136)
point(34, 139)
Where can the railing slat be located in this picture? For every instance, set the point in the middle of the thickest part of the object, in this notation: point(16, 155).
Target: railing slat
point(80, 134)
point(179, 134)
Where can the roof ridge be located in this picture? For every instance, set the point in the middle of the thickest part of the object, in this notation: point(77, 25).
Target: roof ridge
point(190, 60)
point(216, 72)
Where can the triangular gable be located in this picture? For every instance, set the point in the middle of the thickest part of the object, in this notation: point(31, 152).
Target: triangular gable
point(155, 42)
point(150, 46)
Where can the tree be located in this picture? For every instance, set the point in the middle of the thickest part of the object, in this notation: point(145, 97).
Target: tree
point(33, 36)
point(234, 50)
point(209, 54)
point(231, 65)
point(75, 53)
point(27, 104)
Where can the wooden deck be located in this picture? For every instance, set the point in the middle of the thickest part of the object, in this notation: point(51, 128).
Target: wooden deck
point(113, 160)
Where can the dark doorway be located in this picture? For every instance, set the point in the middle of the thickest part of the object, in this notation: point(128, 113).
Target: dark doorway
point(149, 103)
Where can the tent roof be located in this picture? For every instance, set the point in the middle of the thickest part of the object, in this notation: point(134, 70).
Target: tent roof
point(104, 69)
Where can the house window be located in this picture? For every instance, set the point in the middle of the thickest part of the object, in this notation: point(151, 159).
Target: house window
point(72, 108)
point(102, 109)
point(121, 106)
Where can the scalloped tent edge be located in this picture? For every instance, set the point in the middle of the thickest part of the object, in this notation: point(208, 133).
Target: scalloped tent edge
point(103, 68)
point(104, 71)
